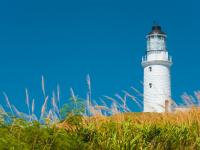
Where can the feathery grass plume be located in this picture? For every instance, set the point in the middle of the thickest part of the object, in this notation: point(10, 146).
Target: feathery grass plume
point(123, 100)
point(114, 109)
point(100, 110)
point(87, 110)
point(58, 94)
point(33, 106)
point(89, 89)
point(197, 95)
point(120, 107)
point(21, 114)
point(51, 118)
point(133, 98)
point(74, 98)
point(17, 112)
point(109, 98)
point(28, 102)
point(55, 117)
point(54, 104)
point(8, 103)
point(193, 100)
point(114, 103)
point(97, 111)
point(93, 111)
point(125, 106)
point(44, 107)
point(105, 105)
point(101, 107)
point(187, 99)
point(119, 97)
point(103, 102)
point(137, 91)
point(33, 116)
point(43, 86)
point(94, 103)
point(142, 83)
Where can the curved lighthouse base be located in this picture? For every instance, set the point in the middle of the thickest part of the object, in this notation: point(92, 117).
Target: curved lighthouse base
point(160, 107)
point(157, 88)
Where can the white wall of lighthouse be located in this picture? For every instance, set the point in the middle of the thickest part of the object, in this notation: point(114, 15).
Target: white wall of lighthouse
point(157, 80)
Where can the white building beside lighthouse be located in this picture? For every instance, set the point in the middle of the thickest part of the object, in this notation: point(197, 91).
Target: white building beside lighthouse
point(157, 63)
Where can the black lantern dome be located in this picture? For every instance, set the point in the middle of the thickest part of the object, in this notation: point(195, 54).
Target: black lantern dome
point(156, 29)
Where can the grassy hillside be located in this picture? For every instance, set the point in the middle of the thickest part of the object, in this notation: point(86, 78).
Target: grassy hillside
point(122, 131)
point(104, 124)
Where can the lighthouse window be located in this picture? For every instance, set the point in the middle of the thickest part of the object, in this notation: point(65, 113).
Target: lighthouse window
point(150, 69)
point(150, 85)
point(160, 37)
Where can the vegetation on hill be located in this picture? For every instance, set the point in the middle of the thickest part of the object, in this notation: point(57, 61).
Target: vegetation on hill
point(86, 125)
point(123, 131)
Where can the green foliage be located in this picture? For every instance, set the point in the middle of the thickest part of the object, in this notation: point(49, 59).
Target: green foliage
point(79, 133)
point(77, 107)
point(22, 135)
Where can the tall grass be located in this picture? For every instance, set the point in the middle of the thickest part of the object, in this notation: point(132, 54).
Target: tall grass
point(124, 131)
point(105, 123)
point(104, 105)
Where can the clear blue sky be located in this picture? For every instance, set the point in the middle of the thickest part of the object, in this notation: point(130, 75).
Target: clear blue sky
point(66, 40)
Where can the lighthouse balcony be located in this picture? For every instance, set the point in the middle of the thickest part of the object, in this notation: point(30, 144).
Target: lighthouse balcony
point(159, 60)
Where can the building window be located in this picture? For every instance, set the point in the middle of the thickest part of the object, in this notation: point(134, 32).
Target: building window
point(150, 69)
point(160, 37)
point(150, 85)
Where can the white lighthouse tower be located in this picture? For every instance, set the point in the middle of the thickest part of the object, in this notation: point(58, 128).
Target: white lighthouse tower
point(157, 63)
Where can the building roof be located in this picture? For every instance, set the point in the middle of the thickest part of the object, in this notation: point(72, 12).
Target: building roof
point(156, 29)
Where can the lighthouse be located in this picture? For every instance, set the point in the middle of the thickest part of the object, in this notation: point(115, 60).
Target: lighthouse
point(156, 64)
